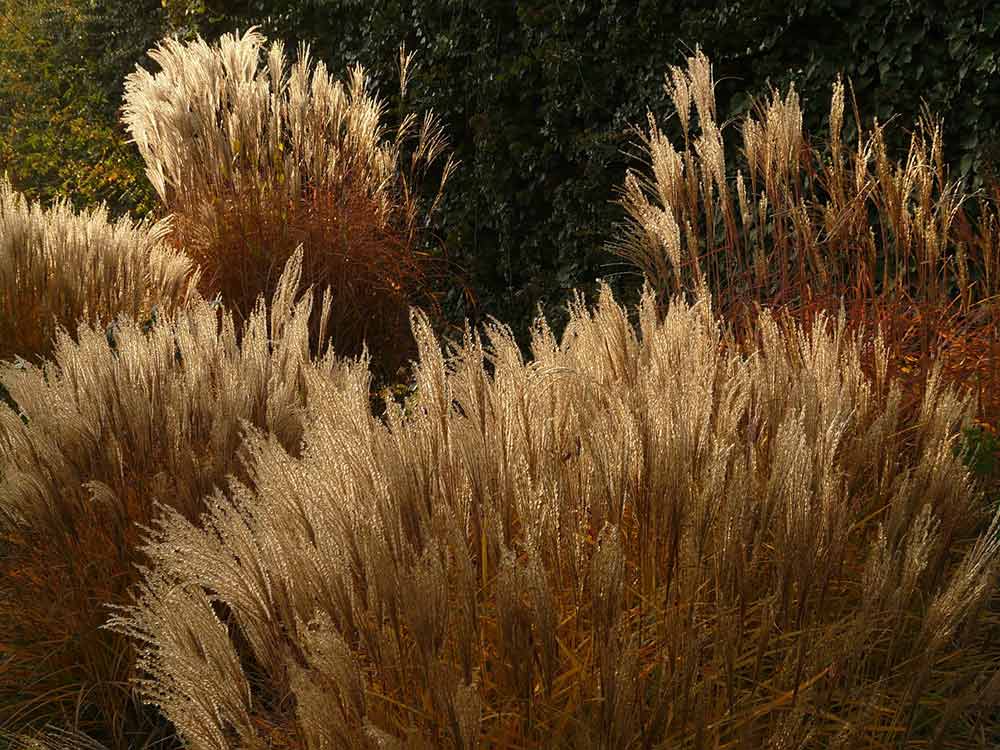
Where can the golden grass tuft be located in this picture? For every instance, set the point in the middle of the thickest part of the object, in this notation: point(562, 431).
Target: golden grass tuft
point(58, 268)
point(255, 157)
point(794, 233)
point(630, 541)
point(106, 432)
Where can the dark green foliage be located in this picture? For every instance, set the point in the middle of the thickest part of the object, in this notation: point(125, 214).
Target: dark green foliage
point(62, 66)
point(980, 451)
point(900, 54)
point(6, 399)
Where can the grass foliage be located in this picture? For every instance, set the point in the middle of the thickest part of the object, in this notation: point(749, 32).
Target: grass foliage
point(61, 268)
point(805, 230)
point(106, 432)
point(254, 157)
point(747, 519)
point(563, 553)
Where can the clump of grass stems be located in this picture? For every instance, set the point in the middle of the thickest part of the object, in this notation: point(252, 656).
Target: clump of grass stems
point(803, 231)
point(564, 553)
point(730, 528)
point(59, 267)
point(104, 429)
point(254, 156)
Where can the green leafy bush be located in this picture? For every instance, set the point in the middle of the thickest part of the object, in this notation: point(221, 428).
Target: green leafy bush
point(61, 68)
point(980, 451)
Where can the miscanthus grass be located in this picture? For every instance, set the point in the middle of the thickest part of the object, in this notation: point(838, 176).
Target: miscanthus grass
point(255, 155)
point(636, 539)
point(806, 225)
point(112, 422)
point(59, 268)
point(725, 526)
point(630, 541)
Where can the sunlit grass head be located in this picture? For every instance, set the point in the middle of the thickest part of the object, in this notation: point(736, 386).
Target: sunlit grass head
point(59, 267)
point(255, 155)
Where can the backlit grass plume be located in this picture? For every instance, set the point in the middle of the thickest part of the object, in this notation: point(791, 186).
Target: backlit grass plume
point(806, 228)
point(255, 156)
point(106, 431)
point(701, 533)
point(628, 542)
point(58, 267)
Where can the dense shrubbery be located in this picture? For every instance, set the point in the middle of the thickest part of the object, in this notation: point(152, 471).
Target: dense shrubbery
point(738, 525)
point(62, 64)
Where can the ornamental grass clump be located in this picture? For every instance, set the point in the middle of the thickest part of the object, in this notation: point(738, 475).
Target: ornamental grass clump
point(632, 541)
point(704, 533)
point(255, 157)
point(804, 229)
point(58, 267)
point(110, 426)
